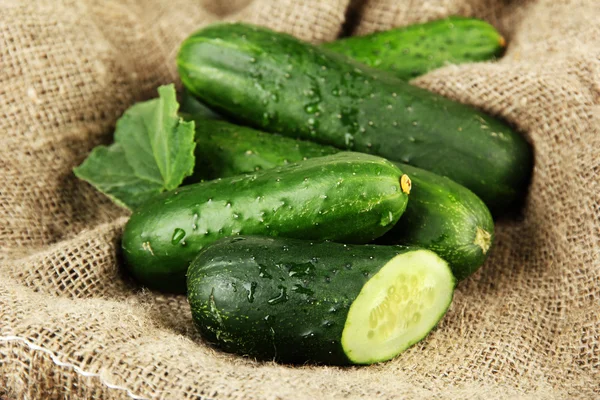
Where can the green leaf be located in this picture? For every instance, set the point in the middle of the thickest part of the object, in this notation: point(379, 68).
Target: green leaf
point(108, 171)
point(153, 152)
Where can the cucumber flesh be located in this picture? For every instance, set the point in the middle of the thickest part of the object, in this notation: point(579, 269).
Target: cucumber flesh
point(398, 307)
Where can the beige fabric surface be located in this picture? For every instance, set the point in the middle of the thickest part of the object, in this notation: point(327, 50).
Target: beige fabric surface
point(72, 325)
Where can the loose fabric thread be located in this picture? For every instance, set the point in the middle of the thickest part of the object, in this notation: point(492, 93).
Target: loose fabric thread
point(78, 370)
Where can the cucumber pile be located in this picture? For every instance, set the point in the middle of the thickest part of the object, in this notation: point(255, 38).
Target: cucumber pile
point(312, 204)
point(280, 84)
point(347, 197)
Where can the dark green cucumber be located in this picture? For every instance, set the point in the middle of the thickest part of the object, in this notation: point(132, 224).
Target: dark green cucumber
point(413, 50)
point(192, 106)
point(441, 215)
point(446, 218)
point(296, 301)
point(283, 85)
point(408, 51)
point(349, 197)
point(224, 149)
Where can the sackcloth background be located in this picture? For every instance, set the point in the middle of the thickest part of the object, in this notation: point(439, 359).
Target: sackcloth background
point(72, 324)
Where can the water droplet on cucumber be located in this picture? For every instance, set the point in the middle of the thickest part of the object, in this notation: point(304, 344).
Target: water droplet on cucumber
point(263, 273)
point(348, 139)
point(178, 236)
point(386, 219)
point(282, 297)
point(311, 108)
point(250, 288)
point(300, 270)
point(302, 290)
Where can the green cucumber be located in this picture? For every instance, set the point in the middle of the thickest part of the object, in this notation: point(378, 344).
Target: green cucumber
point(296, 301)
point(441, 215)
point(409, 51)
point(349, 197)
point(281, 84)
point(192, 106)
point(224, 149)
point(414, 50)
point(446, 218)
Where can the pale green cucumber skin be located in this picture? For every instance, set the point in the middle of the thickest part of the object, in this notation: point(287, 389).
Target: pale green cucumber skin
point(441, 215)
point(347, 197)
point(416, 49)
point(280, 84)
point(281, 299)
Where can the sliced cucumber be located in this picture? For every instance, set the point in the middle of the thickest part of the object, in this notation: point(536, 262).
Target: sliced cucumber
point(296, 301)
point(398, 307)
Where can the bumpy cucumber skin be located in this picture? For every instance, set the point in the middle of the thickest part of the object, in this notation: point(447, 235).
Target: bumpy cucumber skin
point(407, 52)
point(280, 84)
point(446, 218)
point(441, 215)
point(241, 291)
point(224, 149)
point(414, 50)
point(348, 197)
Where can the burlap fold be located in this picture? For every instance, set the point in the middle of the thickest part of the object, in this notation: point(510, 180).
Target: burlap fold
point(73, 325)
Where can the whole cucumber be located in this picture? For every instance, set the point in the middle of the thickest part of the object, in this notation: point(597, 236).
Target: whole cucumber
point(414, 50)
point(296, 301)
point(349, 197)
point(281, 84)
point(441, 215)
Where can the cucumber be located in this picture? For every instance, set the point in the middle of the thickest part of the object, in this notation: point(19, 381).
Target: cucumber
point(441, 215)
point(446, 218)
point(409, 51)
point(296, 301)
point(281, 84)
point(192, 106)
point(224, 149)
point(414, 50)
point(349, 197)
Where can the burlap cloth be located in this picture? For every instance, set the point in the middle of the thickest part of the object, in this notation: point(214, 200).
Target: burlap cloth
point(73, 326)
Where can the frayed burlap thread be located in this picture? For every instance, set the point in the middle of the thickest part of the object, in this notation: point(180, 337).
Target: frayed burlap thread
point(73, 325)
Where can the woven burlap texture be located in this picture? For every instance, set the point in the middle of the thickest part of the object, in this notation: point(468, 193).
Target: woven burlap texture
point(72, 324)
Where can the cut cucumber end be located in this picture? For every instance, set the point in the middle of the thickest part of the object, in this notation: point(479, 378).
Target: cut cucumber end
point(397, 307)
